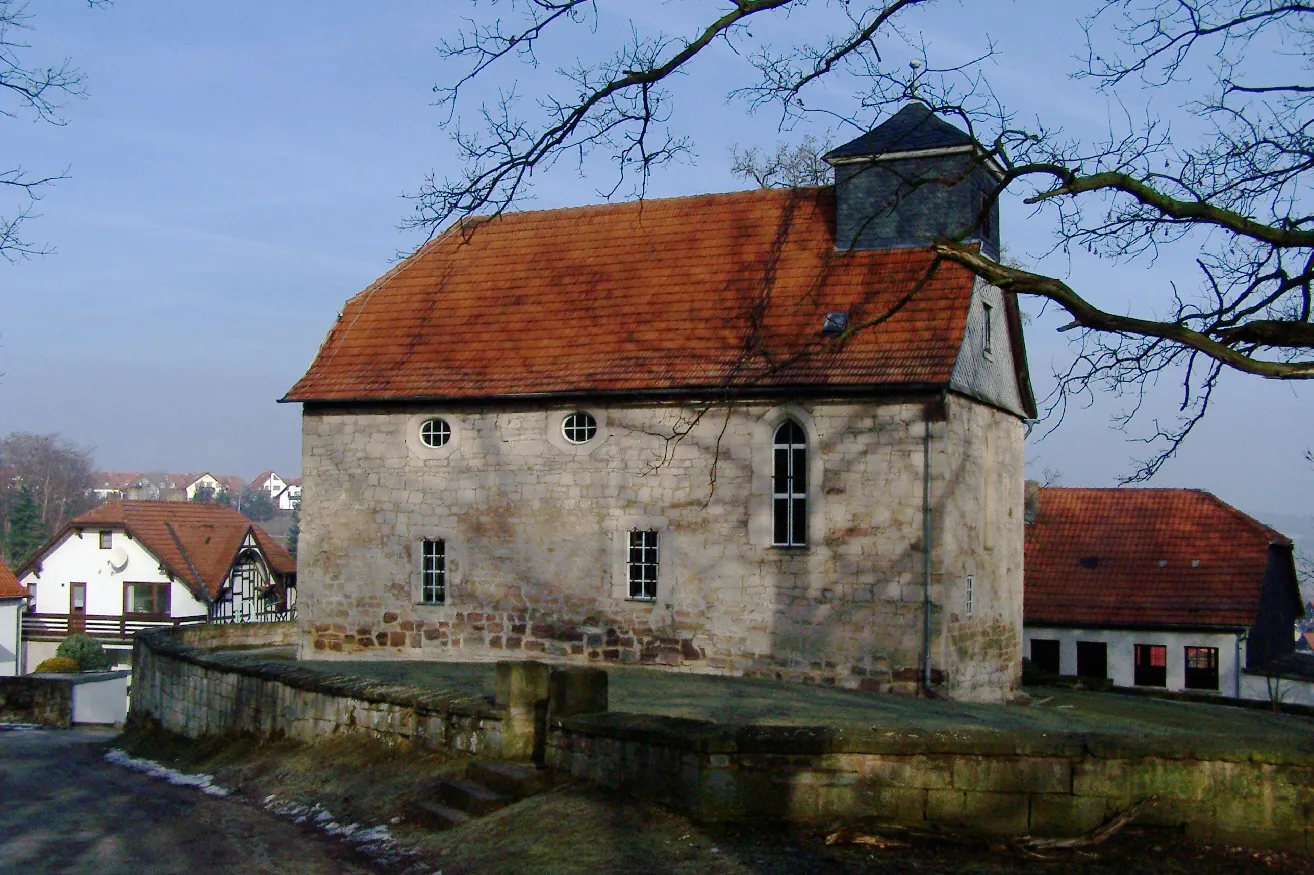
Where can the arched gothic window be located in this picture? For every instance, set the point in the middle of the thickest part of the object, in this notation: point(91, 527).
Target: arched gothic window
point(789, 486)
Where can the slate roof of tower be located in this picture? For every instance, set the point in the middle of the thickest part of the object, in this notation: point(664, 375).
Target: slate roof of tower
point(9, 586)
point(911, 129)
point(188, 538)
point(1147, 557)
point(705, 292)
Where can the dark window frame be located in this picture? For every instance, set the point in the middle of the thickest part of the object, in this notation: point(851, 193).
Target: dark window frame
point(987, 329)
point(107, 539)
point(1043, 663)
point(1145, 672)
point(1087, 659)
point(160, 601)
point(433, 571)
point(1200, 668)
point(789, 486)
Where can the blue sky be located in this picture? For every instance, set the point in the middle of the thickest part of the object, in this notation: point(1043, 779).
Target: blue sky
point(237, 172)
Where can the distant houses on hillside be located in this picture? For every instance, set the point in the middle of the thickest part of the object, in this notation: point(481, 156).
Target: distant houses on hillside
point(137, 486)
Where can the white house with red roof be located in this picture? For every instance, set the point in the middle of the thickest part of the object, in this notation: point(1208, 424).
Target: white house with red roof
point(762, 433)
point(12, 599)
point(1162, 589)
point(129, 565)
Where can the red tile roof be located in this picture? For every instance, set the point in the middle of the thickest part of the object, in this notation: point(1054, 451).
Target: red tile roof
point(677, 294)
point(1160, 557)
point(195, 541)
point(9, 586)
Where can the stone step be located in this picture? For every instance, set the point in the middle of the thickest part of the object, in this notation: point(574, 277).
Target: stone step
point(472, 798)
point(510, 779)
point(435, 816)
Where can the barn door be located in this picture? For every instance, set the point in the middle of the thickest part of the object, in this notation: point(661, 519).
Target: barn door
point(77, 608)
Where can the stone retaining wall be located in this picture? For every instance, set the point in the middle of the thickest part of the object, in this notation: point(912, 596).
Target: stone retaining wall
point(36, 699)
point(1006, 783)
point(213, 636)
point(196, 694)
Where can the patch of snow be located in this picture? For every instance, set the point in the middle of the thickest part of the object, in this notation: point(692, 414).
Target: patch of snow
point(375, 842)
point(152, 769)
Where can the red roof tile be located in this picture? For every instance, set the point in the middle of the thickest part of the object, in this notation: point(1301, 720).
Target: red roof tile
point(189, 538)
point(1171, 557)
point(682, 293)
point(9, 586)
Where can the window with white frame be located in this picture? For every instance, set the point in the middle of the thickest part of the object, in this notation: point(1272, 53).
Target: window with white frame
point(579, 427)
point(789, 486)
point(641, 565)
point(435, 433)
point(433, 572)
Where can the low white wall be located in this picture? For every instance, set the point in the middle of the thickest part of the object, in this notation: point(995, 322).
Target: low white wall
point(1286, 690)
point(103, 701)
point(1122, 649)
point(11, 618)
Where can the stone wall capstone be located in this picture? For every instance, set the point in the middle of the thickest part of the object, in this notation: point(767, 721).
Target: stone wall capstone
point(197, 694)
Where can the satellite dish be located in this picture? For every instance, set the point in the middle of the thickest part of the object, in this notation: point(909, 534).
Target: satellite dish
point(118, 559)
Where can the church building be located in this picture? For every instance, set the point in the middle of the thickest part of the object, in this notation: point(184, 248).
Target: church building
point(762, 433)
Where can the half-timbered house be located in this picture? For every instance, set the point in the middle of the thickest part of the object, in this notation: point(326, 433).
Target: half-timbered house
point(129, 565)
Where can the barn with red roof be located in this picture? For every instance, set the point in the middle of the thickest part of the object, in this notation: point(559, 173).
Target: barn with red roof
point(1157, 588)
point(765, 432)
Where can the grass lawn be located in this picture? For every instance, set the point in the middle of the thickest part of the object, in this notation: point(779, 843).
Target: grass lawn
point(755, 701)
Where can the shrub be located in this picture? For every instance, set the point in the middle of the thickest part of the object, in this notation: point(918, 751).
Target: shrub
point(59, 664)
point(85, 651)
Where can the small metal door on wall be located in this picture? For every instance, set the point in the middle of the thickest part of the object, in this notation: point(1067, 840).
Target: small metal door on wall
point(77, 608)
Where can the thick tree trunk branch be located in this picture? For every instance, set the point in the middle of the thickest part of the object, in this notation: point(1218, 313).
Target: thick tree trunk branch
point(1086, 315)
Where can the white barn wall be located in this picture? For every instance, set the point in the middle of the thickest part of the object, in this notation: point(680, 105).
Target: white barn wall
point(1121, 652)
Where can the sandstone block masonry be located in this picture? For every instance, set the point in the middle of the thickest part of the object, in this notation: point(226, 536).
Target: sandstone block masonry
point(534, 532)
point(1007, 783)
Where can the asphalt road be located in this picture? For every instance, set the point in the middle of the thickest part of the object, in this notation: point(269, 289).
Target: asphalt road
point(64, 809)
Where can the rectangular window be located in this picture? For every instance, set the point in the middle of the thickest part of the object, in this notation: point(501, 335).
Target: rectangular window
point(1201, 668)
point(987, 328)
point(433, 572)
point(1151, 669)
point(146, 598)
point(32, 597)
point(642, 565)
point(1092, 659)
point(971, 586)
point(1045, 655)
point(106, 540)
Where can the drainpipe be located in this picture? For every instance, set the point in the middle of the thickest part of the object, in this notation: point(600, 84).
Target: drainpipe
point(926, 552)
point(1236, 671)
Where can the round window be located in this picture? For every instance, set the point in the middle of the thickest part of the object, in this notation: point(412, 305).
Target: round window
point(435, 432)
point(579, 427)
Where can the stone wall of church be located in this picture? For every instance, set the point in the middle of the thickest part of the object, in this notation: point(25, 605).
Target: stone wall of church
point(534, 532)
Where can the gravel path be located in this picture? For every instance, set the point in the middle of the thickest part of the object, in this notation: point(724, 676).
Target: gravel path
point(66, 810)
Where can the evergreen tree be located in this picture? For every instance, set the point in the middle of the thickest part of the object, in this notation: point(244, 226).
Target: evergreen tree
point(26, 534)
point(205, 494)
point(257, 505)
